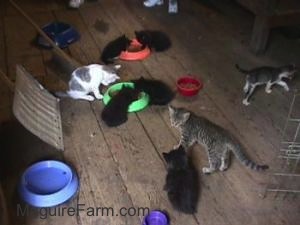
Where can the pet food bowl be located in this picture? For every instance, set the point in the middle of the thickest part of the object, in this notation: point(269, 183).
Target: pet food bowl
point(137, 105)
point(48, 183)
point(135, 52)
point(156, 217)
point(61, 33)
point(189, 86)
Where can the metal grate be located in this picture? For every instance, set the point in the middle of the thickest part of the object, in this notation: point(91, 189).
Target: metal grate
point(287, 179)
point(36, 109)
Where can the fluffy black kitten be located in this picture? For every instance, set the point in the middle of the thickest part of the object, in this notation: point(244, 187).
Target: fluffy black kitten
point(159, 92)
point(113, 49)
point(182, 181)
point(156, 40)
point(115, 112)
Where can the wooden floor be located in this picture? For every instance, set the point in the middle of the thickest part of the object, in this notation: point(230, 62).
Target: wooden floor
point(123, 167)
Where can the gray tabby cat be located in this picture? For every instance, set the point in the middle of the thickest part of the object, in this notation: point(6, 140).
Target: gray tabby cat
point(217, 141)
point(268, 76)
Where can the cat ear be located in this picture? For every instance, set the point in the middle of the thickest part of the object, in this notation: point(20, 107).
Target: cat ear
point(165, 155)
point(180, 148)
point(117, 66)
point(186, 116)
point(171, 109)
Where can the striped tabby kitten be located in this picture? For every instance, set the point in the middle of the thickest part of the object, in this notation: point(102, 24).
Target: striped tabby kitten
point(217, 141)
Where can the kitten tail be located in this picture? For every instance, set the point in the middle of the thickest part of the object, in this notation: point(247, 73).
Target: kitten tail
point(61, 94)
point(240, 155)
point(241, 69)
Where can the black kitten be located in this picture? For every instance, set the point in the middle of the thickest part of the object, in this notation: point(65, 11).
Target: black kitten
point(182, 181)
point(113, 49)
point(156, 40)
point(159, 92)
point(115, 112)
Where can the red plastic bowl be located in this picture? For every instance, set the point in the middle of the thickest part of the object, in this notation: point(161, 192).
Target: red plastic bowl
point(189, 86)
point(134, 52)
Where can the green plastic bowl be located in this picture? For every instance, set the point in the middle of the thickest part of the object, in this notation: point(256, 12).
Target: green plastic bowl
point(135, 106)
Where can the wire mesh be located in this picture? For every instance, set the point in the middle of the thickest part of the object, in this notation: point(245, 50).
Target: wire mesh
point(287, 178)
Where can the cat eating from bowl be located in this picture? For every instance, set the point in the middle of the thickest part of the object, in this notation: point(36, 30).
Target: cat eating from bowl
point(87, 79)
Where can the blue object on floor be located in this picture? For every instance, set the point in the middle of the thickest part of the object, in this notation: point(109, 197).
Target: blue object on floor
point(48, 183)
point(62, 34)
point(156, 217)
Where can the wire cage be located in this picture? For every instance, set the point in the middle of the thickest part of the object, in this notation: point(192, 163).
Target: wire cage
point(286, 179)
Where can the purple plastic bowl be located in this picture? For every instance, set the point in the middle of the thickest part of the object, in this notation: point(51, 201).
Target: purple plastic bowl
point(156, 217)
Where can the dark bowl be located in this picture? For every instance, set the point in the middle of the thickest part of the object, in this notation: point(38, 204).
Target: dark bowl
point(61, 33)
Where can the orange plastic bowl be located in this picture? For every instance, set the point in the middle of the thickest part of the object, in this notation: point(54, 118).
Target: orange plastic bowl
point(189, 86)
point(135, 51)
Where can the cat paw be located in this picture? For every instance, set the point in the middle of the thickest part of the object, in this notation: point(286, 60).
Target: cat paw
point(89, 98)
point(99, 97)
point(223, 168)
point(245, 102)
point(206, 170)
point(173, 8)
point(151, 3)
point(286, 89)
point(268, 91)
point(75, 3)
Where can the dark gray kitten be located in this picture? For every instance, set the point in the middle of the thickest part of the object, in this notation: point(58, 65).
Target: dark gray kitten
point(182, 181)
point(268, 76)
point(217, 141)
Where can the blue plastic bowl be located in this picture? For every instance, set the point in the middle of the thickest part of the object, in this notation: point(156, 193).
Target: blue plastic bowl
point(48, 183)
point(62, 34)
point(156, 217)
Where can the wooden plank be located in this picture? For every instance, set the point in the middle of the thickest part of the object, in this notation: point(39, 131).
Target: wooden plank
point(260, 34)
point(85, 47)
point(153, 124)
point(16, 27)
point(144, 186)
point(3, 212)
point(288, 19)
point(2, 10)
point(101, 184)
point(178, 53)
point(33, 6)
point(5, 93)
point(2, 44)
point(132, 149)
point(34, 64)
point(27, 150)
point(254, 199)
point(287, 6)
point(20, 50)
point(52, 79)
point(259, 7)
point(214, 79)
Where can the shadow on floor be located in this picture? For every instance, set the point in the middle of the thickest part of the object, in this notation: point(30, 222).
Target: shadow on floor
point(19, 149)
